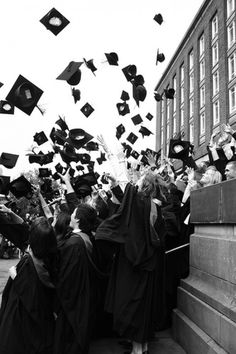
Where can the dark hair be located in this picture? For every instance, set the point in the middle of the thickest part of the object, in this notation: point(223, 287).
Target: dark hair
point(62, 225)
point(87, 217)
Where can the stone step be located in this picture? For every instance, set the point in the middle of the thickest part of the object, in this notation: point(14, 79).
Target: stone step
point(192, 338)
point(217, 326)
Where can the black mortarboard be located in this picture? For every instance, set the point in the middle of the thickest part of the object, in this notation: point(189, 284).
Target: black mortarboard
point(40, 138)
point(144, 160)
point(68, 154)
point(169, 93)
point(78, 137)
point(179, 149)
point(91, 146)
point(6, 107)
point(54, 21)
point(160, 57)
point(104, 179)
point(112, 58)
point(124, 96)
point(120, 131)
point(1, 84)
point(144, 131)
point(80, 168)
point(59, 136)
point(149, 116)
point(71, 172)
point(55, 176)
point(99, 160)
point(76, 94)
point(90, 65)
point(137, 119)
point(40, 158)
point(134, 154)
point(44, 172)
point(59, 168)
point(87, 109)
point(84, 158)
point(158, 18)
point(127, 149)
point(90, 166)
point(20, 187)
point(130, 72)
point(83, 183)
point(8, 160)
point(132, 138)
point(62, 124)
point(72, 73)
point(52, 135)
point(139, 93)
point(123, 108)
point(24, 95)
point(4, 184)
point(102, 158)
point(157, 97)
point(138, 80)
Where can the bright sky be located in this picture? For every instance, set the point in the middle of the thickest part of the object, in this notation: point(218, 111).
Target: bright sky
point(96, 27)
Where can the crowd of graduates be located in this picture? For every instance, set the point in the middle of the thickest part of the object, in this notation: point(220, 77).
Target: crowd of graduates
point(107, 259)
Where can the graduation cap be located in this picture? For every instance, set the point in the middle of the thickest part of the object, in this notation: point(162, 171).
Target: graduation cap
point(120, 131)
point(1, 84)
point(123, 108)
point(55, 176)
point(24, 95)
point(87, 109)
point(71, 172)
point(139, 93)
point(130, 72)
point(6, 107)
point(83, 183)
point(72, 73)
point(80, 168)
point(158, 97)
point(127, 149)
point(62, 124)
point(102, 158)
point(137, 119)
point(54, 21)
point(104, 179)
point(158, 18)
point(124, 96)
point(44, 172)
point(132, 138)
point(20, 187)
point(144, 131)
point(112, 58)
point(84, 158)
point(68, 154)
point(138, 80)
point(179, 149)
point(76, 94)
point(144, 160)
point(91, 146)
point(160, 57)
point(59, 168)
point(169, 93)
point(8, 160)
point(4, 184)
point(41, 158)
point(135, 154)
point(90, 166)
point(58, 136)
point(149, 116)
point(78, 137)
point(40, 138)
point(90, 65)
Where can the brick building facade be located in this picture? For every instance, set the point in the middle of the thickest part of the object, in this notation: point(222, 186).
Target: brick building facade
point(203, 73)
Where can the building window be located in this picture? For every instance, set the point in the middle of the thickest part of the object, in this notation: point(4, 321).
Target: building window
point(191, 60)
point(202, 96)
point(174, 125)
point(182, 116)
point(216, 112)
point(215, 54)
point(182, 94)
point(174, 100)
point(231, 34)
point(230, 7)
point(168, 111)
point(232, 99)
point(201, 45)
point(182, 73)
point(202, 69)
point(191, 131)
point(162, 136)
point(202, 123)
point(191, 82)
point(214, 26)
point(191, 107)
point(215, 80)
point(167, 131)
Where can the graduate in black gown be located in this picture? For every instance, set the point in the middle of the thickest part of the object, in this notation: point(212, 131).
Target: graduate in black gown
point(26, 315)
point(135, 294)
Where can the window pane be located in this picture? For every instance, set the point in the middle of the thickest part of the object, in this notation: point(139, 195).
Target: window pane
point(214, 25)
point(182, 116)
point(202, 69)
point(202, 123)
point(215, 53)
point(191, 132)
point(190, 60)
point(230, 7)
point(174, 124)
point(191, 107)
point(215, 83)
point(191, 82)
point(201, 45)
point(216, 116)
point(182, 73)
point(232, 99)
point(231, 34)
point(202, 96)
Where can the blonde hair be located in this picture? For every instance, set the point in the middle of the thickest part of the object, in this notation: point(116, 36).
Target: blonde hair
point(150, 185)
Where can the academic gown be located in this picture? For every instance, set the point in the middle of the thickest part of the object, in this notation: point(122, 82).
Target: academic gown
point(75, 297)
point(26, 314)
point(136, 293)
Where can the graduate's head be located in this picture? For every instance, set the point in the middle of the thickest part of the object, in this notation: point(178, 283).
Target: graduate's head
point(62, 224)
point(150, 185)
point(42, 238)
point(84, 217)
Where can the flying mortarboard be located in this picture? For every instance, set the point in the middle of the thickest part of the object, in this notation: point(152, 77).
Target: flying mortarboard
point(123, 108)
point(8, 160)
point(80, 168)
point(120, 131)
point(112, 58)
point(130, 72)
point(6, 107)
point(62, 124)
point(1, 84)
point(59, 136)
point(87, 109)
point(90, 166)
point(72, 73)
point(169, 93)
point(90, 65)
point(40, 138)
point(139, 93)
point(68, 154)
point(144, 131)
point(44, 172)
point(127, 149)
point(20, 187)
point(137, 119)
point(59, 168)
point(54, 21)
point(179, 149)
point(132, 138)
point(124, 96)
point(158, 18)
point(76, 94)
point(84, 158)
point(4, 184)
point(24, 95)
point(138, 80)
point(78, 137)
point(160, 57)
point(135, 154)
point(91, 146)
point(101, 159)
point(149, 116)
point(40, 158)
point(158, 97)
point(104, 179)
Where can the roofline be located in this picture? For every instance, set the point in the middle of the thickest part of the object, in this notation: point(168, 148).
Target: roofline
point(183, 41)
